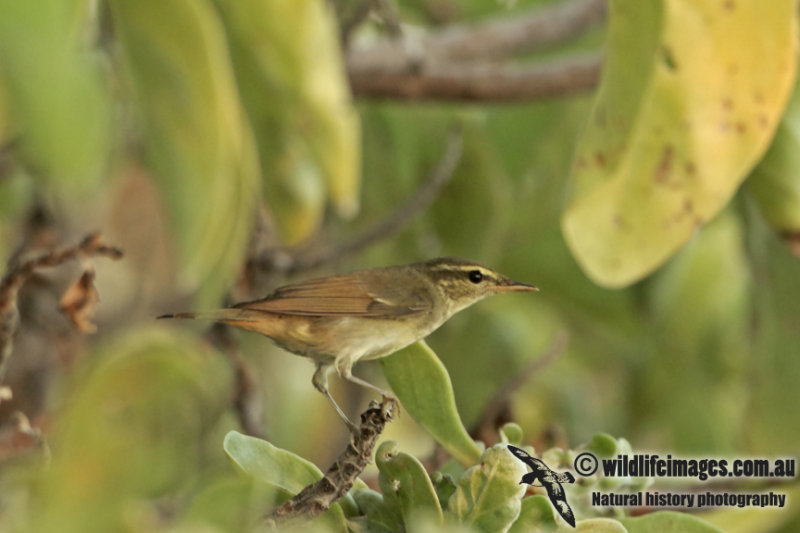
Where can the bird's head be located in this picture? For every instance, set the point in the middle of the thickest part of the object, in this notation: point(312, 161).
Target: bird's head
point(463, 282)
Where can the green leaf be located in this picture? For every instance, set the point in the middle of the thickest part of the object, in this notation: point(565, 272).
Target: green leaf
point(53, 91)
point(775, 183)
point(685, 109)
point(488, 494)
point(261, 460)
point(511, 433)
point(231, 503)
point(600, 525)
point(603, 445)
point(421, 383)
point(535, 516)
point(668, 522)
point(277, 467)
point(405, 483)
point(199, 142)
point(288, 62)
point(377, 516)
point(748, 519)
point(444, 485)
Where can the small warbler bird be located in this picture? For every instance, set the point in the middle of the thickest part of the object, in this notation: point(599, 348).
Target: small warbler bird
point(340, 320)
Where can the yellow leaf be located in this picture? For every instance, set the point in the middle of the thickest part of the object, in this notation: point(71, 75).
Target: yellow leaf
point(691, 96)
point(289, 65)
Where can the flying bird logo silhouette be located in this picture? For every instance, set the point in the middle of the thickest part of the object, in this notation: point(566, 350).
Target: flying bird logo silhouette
point(548, 479)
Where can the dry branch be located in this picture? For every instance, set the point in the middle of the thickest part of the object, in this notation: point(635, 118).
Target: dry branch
point(480, 82)
point(469, 61)
point(317, 498)
point(20, 273)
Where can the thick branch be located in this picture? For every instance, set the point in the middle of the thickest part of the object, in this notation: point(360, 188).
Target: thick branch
point(317, 498)
point(482, 82)
point(494, 39)
point(275, 260)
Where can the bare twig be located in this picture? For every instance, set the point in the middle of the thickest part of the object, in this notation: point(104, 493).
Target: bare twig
point(317, 498)
point(397, 220)
point(499, 400)
point(479, 82)
point(495, 39)
point(20, 273)
point(272, 260)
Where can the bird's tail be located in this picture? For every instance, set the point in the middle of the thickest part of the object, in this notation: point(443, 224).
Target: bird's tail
point(220, 315)
point(249, 319)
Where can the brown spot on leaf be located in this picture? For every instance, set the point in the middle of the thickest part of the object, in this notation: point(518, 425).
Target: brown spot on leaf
point(690, 168)
point(758, 96)
point(728, 5)
point(727, 104)
point(664, 168)
point(763, 121)
point(600, 159)
point(619, 222)
point(688, 206)
point(741, 127)
point(792, 238)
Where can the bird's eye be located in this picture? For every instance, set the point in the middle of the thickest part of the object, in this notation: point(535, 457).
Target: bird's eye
point(475, 276)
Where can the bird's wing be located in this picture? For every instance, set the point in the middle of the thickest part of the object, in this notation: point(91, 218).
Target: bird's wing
point(559, 500)
point(344, 295)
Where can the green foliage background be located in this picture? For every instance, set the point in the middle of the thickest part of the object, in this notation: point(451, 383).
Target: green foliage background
point(167, 124)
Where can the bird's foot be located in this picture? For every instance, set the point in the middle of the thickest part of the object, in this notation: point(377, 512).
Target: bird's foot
point(389, 407)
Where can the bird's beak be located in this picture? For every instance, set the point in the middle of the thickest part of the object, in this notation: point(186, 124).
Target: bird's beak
point(509, 285)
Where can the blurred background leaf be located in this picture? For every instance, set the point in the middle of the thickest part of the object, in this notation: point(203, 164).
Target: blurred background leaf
point(198, 139)
point(290, 71)
point(53, 99)
point(137, 421)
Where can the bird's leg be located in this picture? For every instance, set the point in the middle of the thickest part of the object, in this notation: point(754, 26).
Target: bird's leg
point(320, 381)
point(388, 397)
point(354, 379)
